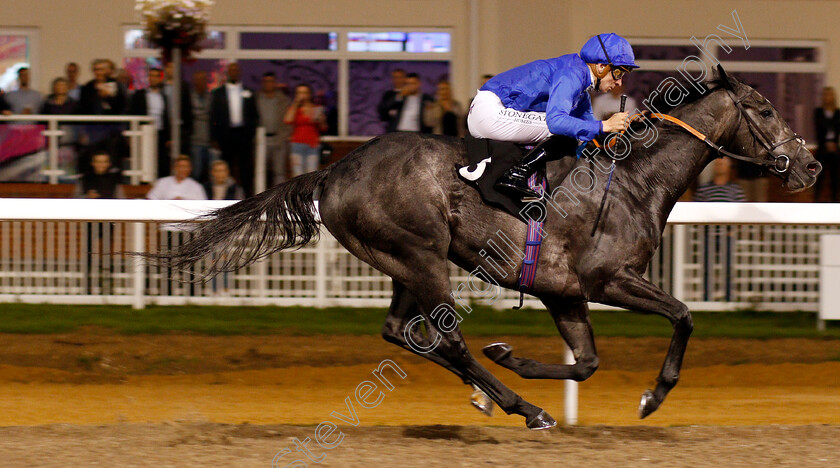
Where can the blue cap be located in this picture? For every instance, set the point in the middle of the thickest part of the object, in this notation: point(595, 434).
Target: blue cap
point(619, 50)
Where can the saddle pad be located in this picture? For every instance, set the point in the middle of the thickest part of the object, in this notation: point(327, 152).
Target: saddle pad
point(483, 170)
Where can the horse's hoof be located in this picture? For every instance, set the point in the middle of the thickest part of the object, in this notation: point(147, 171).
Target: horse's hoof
point(481, 401)
point(647, 405)
point(541, 421)
point(497, 351)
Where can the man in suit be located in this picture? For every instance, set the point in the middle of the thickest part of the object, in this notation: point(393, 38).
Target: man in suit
point(102, 95)
point(152, 101)
point(405, 109)
point(233, 122)
point(397, 82)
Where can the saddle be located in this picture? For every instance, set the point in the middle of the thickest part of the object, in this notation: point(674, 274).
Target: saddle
point(488, 160)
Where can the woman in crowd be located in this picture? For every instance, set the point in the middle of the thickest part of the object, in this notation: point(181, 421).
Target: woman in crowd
point(59, 102)
point(308, 121)
point(445, 115)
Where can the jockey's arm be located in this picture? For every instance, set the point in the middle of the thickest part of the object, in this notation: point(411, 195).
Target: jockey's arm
point(559, 112)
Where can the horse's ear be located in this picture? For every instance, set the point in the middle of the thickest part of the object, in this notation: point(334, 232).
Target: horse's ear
point(724, 78)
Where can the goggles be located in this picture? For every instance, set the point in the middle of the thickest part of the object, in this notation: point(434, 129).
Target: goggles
point(619, 72)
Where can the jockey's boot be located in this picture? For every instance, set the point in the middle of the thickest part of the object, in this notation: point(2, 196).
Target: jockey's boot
point(514, 182)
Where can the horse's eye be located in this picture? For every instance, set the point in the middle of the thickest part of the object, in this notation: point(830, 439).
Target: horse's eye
point(766, 113)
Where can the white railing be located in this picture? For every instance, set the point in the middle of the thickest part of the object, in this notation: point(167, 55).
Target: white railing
point(142, 143)
point(70, 252)
point(714, 256)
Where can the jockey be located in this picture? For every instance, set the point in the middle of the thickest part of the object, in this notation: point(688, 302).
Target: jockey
point(533, 102)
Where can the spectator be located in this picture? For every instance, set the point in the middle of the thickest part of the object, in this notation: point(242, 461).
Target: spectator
point(272, 105)
point(59, 102)
point(102, 95)
point(24, 100)
point(721, 188)
point(405, 110)
point(445, 116)
point(605, 105)
point(178, 186)
point(101, 181)
point(125, 80)
point(199, 134)
point(307, 121)
point(233, 122)
point(221, 185)
point(719, 241)
point(4, 106)
point(397, 83)
point(827, 122)
point(74, 90)
point(152, 102)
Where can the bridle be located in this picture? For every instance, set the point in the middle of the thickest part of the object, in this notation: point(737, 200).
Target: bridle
point(780, 162)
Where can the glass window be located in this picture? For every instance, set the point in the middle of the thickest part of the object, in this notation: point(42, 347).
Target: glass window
point(423, 42)
point(14, 55)
point(664, 52)
point(370, 79)
point(770, 54)
point(134, 40)
point(415, 42)
point(320, 75)
point(288, 41)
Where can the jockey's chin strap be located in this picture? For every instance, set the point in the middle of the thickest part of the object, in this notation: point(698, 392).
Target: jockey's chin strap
point(780, 162)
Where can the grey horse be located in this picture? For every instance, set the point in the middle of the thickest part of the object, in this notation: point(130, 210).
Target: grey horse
point(397, 204)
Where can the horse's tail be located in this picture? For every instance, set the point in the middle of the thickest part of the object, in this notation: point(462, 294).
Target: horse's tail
point(238, 235)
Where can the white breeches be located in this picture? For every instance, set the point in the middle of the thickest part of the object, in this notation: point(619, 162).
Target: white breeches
point(490, 119)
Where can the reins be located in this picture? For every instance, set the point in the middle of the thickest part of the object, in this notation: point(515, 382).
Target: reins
point(780, 162)
point(719, 149)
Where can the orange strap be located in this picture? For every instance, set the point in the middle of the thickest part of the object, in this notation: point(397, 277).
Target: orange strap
point(667, 117)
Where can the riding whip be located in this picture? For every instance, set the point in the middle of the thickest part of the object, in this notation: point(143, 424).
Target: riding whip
point(609, 180)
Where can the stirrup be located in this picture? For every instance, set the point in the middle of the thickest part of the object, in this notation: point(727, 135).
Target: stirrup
point(513, 190)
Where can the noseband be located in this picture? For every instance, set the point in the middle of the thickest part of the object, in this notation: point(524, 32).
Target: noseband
point(780, 162)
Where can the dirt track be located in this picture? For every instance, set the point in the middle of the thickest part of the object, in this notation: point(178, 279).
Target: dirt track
point(227, 401)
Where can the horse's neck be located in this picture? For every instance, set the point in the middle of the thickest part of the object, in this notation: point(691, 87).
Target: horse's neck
point(672, 163)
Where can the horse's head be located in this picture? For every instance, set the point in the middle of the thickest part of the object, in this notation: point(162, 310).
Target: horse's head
point(762, 134)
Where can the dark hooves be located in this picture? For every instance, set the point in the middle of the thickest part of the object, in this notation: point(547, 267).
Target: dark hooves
point(541, 421)
point(647, 405)
point(497, 351)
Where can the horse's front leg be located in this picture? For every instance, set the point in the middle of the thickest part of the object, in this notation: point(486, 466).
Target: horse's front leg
point(631, 291)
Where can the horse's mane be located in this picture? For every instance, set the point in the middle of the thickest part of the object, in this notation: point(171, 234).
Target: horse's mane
point(659, 102)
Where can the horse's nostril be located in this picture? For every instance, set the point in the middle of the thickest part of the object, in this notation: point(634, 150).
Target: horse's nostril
point(814, 167)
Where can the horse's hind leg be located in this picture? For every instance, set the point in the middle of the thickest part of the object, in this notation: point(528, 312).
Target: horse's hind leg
point(572, 321)
point(425, 274)
point(404, 308)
